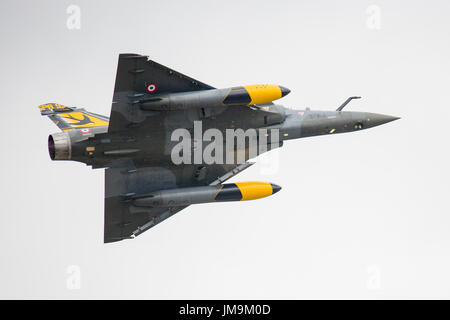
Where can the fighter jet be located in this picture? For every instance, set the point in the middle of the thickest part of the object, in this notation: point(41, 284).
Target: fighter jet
point(144, 185)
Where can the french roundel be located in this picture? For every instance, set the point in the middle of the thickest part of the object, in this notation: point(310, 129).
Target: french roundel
point(151, 87)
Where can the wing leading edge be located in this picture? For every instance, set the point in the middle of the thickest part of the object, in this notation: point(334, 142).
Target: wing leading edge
point(123, 181)
point(139, 77)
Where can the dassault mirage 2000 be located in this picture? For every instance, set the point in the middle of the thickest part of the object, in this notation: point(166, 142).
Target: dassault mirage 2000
point(170, 141)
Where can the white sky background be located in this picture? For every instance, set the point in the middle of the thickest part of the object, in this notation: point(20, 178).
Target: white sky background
point(362, 215)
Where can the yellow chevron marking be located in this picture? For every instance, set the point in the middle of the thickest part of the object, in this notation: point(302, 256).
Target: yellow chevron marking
point(82, 120)
point(254, 190)
point(262, 93)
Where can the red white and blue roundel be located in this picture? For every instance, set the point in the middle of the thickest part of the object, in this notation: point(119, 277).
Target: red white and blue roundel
point(151, 88)
point(85, 130)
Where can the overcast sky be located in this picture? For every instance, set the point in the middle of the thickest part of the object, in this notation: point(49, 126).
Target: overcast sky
point(360, 215)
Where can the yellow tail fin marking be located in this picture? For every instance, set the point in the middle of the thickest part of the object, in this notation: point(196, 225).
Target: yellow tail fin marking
point(67, 118)
point(56, 107)
point(82, 120)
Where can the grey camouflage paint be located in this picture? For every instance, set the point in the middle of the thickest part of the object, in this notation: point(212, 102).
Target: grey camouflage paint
point(135, 148)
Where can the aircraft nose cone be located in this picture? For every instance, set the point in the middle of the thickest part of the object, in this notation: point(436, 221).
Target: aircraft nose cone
point(275, 188)
point(284, 91)
point(376, 119)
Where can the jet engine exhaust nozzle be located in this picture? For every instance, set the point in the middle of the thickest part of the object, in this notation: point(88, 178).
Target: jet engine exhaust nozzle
point(59, 146)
